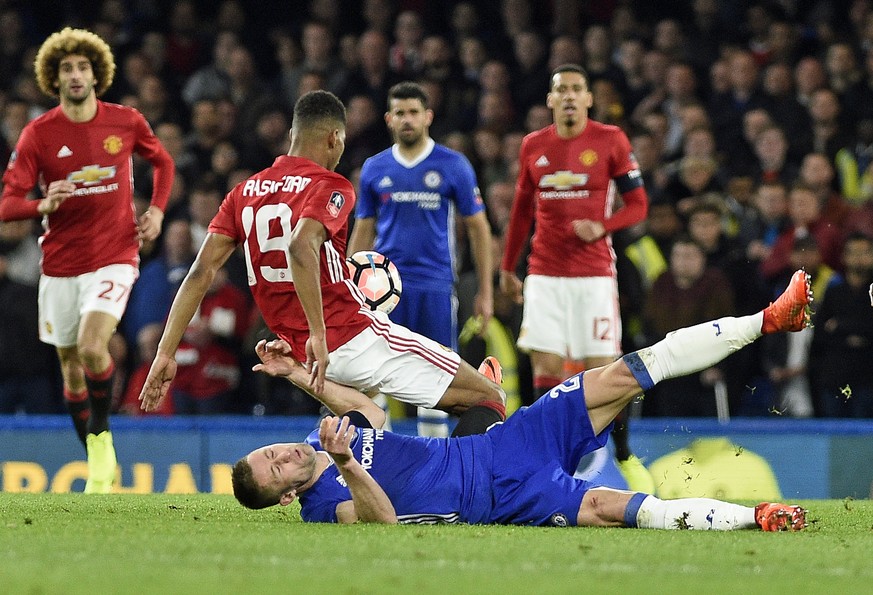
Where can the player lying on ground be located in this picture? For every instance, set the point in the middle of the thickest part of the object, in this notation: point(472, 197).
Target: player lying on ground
point(518, 472)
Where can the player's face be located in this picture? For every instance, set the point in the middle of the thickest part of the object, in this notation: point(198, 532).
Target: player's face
point(569, 98)
point(408, 121)
point(278, 468)
point(75, 78)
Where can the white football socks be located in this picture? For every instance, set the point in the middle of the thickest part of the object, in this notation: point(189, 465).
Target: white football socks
point(695, 348)
point(433, 423)
point(703, 514)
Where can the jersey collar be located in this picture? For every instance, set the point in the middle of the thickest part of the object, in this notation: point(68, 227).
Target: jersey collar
point(410, 163)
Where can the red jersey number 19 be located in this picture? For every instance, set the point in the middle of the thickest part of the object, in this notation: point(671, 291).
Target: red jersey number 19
point(262, 220)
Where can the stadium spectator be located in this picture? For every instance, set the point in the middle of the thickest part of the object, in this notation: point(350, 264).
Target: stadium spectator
point(405, 54)
point(208, 357)
point(212, 81)
point(159, 280)
point(842, 343)
point(687, 293)
point(25, 362)
point(817, 172)
point(530, 486)
point(786, 358)
point(804, 213)
point(90, 248)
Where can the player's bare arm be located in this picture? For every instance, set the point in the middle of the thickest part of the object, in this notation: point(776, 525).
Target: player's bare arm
point(479, 231)
point(214, 252)
point(370, 503)
point(306, 242)
point(150, 224)
point(276, 360)
point(363, 235)
point(56, 193)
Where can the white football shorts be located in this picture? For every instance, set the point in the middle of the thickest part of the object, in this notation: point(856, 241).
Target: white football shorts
point(63, 301)
point(573, 317)
point(393, 360)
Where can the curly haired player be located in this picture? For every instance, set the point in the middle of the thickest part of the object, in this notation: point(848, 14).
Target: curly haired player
point(80, 154)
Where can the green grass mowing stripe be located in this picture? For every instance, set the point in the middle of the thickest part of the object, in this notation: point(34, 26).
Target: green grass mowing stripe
point(71, 543)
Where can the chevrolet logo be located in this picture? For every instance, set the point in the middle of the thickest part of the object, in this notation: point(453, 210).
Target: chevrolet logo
point(91, 174)
point(563, 180)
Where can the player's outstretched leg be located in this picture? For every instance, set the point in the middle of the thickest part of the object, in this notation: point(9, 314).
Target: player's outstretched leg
point(648, 512)
point(701, 346)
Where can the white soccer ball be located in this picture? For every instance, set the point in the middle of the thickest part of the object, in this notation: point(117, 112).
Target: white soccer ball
point(377, 278)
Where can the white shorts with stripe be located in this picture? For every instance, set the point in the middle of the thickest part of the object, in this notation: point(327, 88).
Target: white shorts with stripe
point(63, 301)
point(393, 360)
point(574, 317)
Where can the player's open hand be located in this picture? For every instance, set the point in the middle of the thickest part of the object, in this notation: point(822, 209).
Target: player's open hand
point(335, 435)
point(56, 193)
point(511, 285)
point(276, 359)
point(157, 383)
point(150, 223)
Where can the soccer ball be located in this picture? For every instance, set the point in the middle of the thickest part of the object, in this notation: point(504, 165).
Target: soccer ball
point(377, 278)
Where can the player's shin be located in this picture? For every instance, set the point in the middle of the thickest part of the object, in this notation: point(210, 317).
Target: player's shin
point(648, 512)
point(692, 349)
point(100, 393)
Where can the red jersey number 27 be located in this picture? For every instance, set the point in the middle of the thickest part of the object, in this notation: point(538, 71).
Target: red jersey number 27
point(261, 222)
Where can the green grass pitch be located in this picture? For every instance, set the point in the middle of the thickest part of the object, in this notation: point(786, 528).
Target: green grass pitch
point(72, 543)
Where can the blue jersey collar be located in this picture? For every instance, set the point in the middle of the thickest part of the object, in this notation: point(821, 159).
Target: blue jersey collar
point(410, 163)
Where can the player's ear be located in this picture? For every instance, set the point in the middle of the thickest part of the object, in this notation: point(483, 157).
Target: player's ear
point(550, 100)
point(428, 117)
point(287, 498)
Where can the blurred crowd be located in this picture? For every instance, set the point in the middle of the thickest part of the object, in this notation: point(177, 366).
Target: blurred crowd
point(752, 123)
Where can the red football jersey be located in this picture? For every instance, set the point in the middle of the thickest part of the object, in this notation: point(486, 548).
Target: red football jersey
point(562, 180)
point(97, 225)
point(261, 212)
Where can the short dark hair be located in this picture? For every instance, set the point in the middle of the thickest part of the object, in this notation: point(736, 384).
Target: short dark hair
point(319, 106)
point(571, 68)
point(246, 489)
point(407, 90)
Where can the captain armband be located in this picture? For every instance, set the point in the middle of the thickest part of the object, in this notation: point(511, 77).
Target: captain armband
point(629, 181)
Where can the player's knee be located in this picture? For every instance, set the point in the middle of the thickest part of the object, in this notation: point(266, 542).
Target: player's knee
point(602, 508)
point(92, 354)
point(495, 394)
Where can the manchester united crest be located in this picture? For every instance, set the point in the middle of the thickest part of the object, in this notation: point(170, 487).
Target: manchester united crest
point(112, 144)
point(588, 157)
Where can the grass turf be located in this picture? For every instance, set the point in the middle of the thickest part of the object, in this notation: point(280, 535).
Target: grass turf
point(72, 543)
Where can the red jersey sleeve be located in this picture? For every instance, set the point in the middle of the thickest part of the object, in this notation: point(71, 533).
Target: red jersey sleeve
point(626, 174)
point(330, 201)
point(20, 177)
point(522, 214)
point(148, 145)
point(225, 220)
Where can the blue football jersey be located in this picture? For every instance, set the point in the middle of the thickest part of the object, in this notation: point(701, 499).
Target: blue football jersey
point(428, 480)
point(414, 204)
